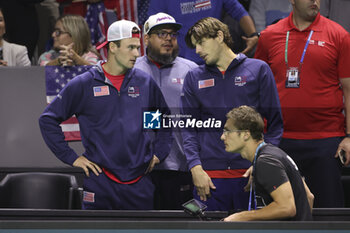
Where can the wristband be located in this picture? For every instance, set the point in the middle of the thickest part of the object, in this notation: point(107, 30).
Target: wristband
point(254, 34)
point(347, 135)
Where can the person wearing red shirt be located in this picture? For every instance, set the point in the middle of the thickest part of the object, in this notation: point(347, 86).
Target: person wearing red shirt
point(308, 56)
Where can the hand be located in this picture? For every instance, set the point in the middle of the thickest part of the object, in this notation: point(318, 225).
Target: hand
point(70, 57)
point(233, 218)
point(65, 61)
point(66, 57)
point(3, 63)
point(202, 182)
point(86, 164)
point(152, 163)
point(344, 145)
point(73, 56)
point(248, 173)
point(250, 42)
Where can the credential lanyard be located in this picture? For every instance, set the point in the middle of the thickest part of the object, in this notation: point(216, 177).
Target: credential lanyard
point(251, 184)
point(305, 48)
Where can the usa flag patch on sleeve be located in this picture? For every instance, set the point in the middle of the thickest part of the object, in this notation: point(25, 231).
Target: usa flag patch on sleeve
point(88, 197)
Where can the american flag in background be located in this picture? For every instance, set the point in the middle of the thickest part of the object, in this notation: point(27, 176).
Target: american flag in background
point(100, 15)
point(97, 21)
point(127, 9)
point(96, 18)
point(133, 10)
point(142, 8)
point(57, 78)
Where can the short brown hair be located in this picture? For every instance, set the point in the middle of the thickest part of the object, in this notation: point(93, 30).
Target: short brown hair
point(247, 118)
point(208, 28)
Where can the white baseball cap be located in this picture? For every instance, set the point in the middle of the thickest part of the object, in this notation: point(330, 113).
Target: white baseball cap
point(119, 30)
point(160, 19)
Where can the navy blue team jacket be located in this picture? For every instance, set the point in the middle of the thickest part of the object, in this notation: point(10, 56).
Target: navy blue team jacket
point(111, 122)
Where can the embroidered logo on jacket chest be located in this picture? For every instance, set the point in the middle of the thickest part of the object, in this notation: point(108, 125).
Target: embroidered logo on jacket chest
point(177, 81)
point(133, 92)
point(240, 81)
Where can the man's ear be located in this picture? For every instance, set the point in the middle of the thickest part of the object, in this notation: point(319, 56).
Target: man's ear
point(220, 36)
point(113, 47)
point(246, 135)
point(146, 39)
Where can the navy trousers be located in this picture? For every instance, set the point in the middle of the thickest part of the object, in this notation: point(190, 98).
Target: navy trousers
point(102, 193)
point(229, 195)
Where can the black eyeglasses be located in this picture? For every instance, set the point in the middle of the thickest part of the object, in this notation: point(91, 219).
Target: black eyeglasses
point(164, 34)
point(58, 32)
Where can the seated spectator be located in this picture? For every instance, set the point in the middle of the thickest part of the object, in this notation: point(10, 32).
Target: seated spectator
point(22, 25)
point(11, 54)
point(72, 44)
point(277, 183)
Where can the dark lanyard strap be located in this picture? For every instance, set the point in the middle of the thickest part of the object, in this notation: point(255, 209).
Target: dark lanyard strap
point(305, 48)
point(251, 184)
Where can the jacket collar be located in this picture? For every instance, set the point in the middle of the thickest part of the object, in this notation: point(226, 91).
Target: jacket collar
point(235, 62)
point(100, 74)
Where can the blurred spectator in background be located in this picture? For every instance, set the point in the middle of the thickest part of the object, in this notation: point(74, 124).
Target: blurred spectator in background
point(22, 25)
point(76, 7)
point(189, 12)
point(100, 14)
point(236, 30)
point(338, 11)
point(11, 54)
point(48, 14)
point(267, 12)
point(72, 44)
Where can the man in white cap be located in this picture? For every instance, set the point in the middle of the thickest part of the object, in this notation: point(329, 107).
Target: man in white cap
point(172, 179)
point(109, 101)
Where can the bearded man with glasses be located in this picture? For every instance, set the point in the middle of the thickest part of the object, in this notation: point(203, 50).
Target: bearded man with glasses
point(172, 179)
